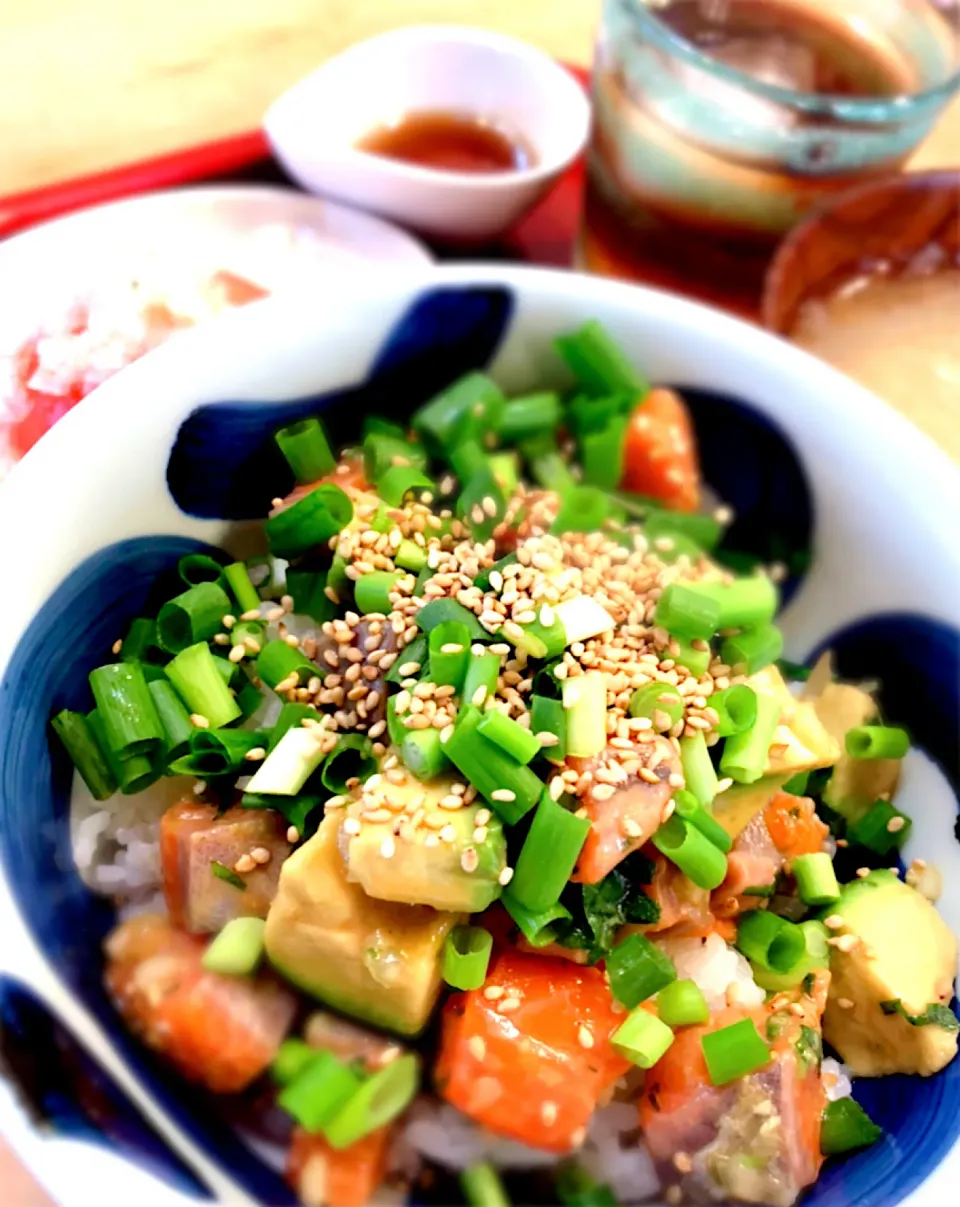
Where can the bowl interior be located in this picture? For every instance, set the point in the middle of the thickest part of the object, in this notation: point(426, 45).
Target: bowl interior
point(165, 465)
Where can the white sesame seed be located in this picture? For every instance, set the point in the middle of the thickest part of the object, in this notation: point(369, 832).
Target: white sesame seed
point(448, 834)
point(409, 668)
point(483, 816)
point(198, 721)
point(244, 864)
point(351, 826)
point(470, 860)
point(260, 855)
point(199, 787)
point(493, 993)
point(451, 647)
point(255, 754)
point(505, 877)
point(585, 1037)
point(863, 873)
point(292, 640)
point(845, 1003)
point(476, 1047)
point(252, 614)
point(548, 1113)
point(293, 834)
point(546, 738)
point(504, 795)
point(556, 787)
point(895, 824)
point(479, 696)
point(480, 834)
point(631, 828)
point(286, 602)
point(509, 1004)
point(388, 847)
point(228, 621)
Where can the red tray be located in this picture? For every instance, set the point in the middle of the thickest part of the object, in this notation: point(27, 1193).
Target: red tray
point(544, 236)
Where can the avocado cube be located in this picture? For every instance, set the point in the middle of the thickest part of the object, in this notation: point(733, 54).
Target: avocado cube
point(421, 853)
point(903, 952)
point(378, 962)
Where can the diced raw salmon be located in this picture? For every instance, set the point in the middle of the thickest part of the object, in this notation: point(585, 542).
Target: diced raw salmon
point(327, 1177)
point(753, 863)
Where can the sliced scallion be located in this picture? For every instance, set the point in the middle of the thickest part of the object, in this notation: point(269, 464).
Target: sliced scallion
point(882, 829)
point(692, 852)
point(642, 1038)
point(126, 709)
point(422, 752)
point(402, 480)
point(769, 941)
point(244, 592)
point(196, 568)
point(599, 363)
point(682, 1004)
point(511, 789)
point(582, 509)
point(698, 772)
point(289, 765)
point(483, 1187)
point(548, 856)
point(637, 969)
point(602, 453)
point(310, 522)
point(845, 1126)
point(321, 1089)
point(372, 591)
point(585, 702)
point(472, 400)
point(308, 590)
point(351, 758)
point(753, 649)
point(547, 716)
point(539, 929)
point(177, 727)
point(83, 748)
point(735, 1051)
point(657, 698)
point(745, 754)
point(466, 954)
point(307, 451)
point(689, 808)
point(583, 618)
point(277, 662)
point(195, 615)
point(238, 949)
point(502, 730)
point(449, 647)
point(438, 611)
point(816, 880)
point(483, 670)
point(736, 708)
point(379, 1100)
point(744, 603)
point(877, 742)
point(686, 611)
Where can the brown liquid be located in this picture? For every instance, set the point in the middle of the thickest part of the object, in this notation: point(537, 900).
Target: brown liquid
point(451, 142)
point(677, 207)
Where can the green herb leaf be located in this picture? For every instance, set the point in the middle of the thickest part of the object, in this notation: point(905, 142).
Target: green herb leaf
point(809, 1047)
point(936, 1014)
point(222, 872)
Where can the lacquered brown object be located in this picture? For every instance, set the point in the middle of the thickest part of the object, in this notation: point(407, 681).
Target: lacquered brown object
point(909, 222)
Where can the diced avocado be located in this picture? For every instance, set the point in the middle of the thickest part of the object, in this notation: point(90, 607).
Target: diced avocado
point(379, 962)
point(801, 742)
point(855, 783)
point(426, 864)
point(237, 949)
point(906, 953)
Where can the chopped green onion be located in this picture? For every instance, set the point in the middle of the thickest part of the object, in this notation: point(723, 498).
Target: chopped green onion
point(482, 1186)
point(733, 1052)
point(306, 449)
point(816, 954)
point(81, 744)
point(637, 969)
point(481, 504)
point(195, 615)
point(582, 618)
point(291, 716)
point(655, 698)
point(582, 509)
point(289, 765)
point(539, 929)
point(401, 481)
point(745, 754)
point(378, 1101)
point(449, 647)
point(576, 1188)
point(295, 809)
point(396, 730)
point(745, 603)
point(196, 568)
point(585, 702)
point(642, 1038)
point(797, 784)
point(292, 1058)
point(692, 852)
point(238, 948)
point(319, 1092)
point(423, 753)
point(310, 522)
point(473, 400)
point(216, 752)
point(483, 670)
point(372, 591)
point(466, 954)
point(671, 546)
point(438, 611)
point(530, 416)
point(877, 742)
point(351, 758)
point(548, 468)
point(687, 611)
point(548, 856)
point(410, 556)
point(602, 453)
point(769, 941)
point(177, 727)
point(227, 875)
point(277, 662)
point(132, 773)
point(793, 670)
point(537, 640)
point(249, 634)
point(308, 590)
point(585, 413)
point(483, 578)
point(468, 458)
point(494, 774)
point(388, 427)
point(682, 1004)
point(695, 658)
point(703, 530)
point(689, 808)
point(417, 651)
point(383, 452)
point(599, 364)
point(126, 709)
point(753, 649)
point(698, 772)
point(502, 730)
point(816, 879)
point(237, 578)
point(505, 467)
point(736, 707)
point(548, 716)
point(140, 643)
point(846, 1126)
point(882, 829)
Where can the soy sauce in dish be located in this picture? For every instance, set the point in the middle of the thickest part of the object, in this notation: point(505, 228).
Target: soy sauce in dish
point(450, 142)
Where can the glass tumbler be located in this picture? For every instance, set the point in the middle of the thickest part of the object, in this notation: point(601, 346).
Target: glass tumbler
point(719, 123)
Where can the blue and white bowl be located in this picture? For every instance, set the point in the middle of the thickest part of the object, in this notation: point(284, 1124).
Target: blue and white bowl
point(176, 452)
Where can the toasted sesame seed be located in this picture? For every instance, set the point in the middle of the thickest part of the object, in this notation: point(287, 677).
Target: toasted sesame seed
point(493, 993)
point(448, 833)
point(476, 1047)
point(509, 1004)
point(505, 795)
point(585, 1037)
point(260, 855)
point(546, 738)
point(446, 733)
point(237, 653)
point(863, 873)
point(556, 787)
point(251, 614)
point(451, 801)
point(682, 1162)
point(451, 647)
point(409, 668)
point(244, 864)
point(479, 696)
point(470, 860)
point(489, 506)
point(845, 1003)
point(255, 754)
point(388, 847)
point(631, 828)
point(228, 621)
point(505, 877)
point(199, 787)
point(351, 826)
point(337, 802)
point(293, 834)
point(548, 1113)
point(845, 943)
point(480, 834)
point(286, 602)
point(198, 721)
point(895, 824)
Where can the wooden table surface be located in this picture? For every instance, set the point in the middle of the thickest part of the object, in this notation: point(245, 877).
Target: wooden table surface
point(90, 85)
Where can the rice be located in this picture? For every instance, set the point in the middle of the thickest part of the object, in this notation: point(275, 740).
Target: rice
point(720, 972)
point(836, 1079)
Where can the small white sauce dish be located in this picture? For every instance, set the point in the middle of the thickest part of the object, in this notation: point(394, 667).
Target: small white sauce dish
point(314, 127)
